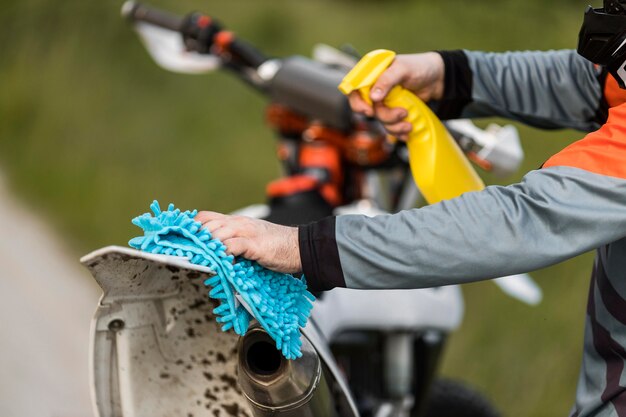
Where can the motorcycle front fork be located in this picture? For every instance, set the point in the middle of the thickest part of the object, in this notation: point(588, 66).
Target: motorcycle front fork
point(409, 366)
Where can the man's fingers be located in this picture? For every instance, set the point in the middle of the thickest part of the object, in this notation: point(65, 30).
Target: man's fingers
point(213, 225)
point(225, 232)
point(387, 80)
point(389, 115)
point(236, 246)
point(206, 216)
point(359, 105)
point(399, 130)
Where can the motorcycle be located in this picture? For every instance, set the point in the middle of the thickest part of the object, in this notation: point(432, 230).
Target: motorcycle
point(156, 348)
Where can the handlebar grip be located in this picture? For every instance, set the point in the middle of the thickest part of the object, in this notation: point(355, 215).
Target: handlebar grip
point(247, 53)
point(138, 12)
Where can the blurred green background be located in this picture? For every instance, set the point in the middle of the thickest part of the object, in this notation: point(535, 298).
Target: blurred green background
point(91, 130)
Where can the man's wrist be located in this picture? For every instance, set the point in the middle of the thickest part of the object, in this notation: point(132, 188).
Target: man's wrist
point(438, 69)
point(294, 253)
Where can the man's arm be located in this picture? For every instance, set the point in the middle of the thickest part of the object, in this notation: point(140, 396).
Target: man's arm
point(577, 202)
point(551, 89)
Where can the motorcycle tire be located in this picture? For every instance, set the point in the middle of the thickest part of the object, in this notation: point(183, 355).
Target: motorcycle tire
point(449, 398)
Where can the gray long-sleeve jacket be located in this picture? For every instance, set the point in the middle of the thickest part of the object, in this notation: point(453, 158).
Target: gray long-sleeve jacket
point(575, 203)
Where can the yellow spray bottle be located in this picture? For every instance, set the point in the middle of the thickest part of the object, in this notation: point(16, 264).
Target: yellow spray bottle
point(439, 168)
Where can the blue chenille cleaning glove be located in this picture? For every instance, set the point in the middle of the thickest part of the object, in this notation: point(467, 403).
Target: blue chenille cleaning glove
point(279, 302)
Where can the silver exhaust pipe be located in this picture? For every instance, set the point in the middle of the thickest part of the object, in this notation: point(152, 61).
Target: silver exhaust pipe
point(275, 386)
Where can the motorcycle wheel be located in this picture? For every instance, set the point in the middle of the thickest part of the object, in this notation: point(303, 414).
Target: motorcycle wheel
point(450, 398)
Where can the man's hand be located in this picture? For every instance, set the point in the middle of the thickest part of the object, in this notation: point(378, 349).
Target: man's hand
point(273, 246)
point(423, 74)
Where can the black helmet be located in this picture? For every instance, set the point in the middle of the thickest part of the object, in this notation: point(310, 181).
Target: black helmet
point(602, 38)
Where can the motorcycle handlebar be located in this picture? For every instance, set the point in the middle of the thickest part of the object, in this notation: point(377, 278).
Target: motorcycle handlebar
point(306, 86)
point(138, 12)
point(200, 33)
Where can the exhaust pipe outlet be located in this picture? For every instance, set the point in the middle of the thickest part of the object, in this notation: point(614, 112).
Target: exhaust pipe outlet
point(275, 386)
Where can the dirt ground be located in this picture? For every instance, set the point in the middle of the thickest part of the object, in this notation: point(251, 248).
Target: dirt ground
point(46, 303)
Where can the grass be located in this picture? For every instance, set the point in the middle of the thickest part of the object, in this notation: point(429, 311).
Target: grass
point(91, 131)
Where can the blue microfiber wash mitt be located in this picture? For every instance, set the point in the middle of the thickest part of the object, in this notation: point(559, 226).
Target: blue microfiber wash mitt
point(279, 302)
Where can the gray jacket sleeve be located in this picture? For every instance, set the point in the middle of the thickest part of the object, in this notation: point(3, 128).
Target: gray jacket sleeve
point(574, 204)
point(552, 215)
point(548, 89)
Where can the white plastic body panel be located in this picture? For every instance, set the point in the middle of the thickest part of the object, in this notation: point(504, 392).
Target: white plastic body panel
point(156, 348)
point(342, 309)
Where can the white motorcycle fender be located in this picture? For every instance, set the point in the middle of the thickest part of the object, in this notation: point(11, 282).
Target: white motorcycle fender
point(156, 347)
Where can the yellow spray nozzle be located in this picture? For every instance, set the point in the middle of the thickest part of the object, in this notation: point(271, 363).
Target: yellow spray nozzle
point(365, 73)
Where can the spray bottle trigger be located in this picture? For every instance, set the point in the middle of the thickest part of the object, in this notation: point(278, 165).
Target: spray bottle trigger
point(365, 95)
